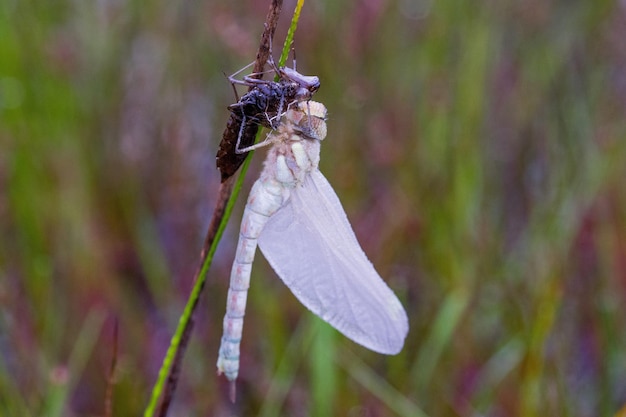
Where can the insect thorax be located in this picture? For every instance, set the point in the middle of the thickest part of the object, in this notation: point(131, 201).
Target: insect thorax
point(266, 103)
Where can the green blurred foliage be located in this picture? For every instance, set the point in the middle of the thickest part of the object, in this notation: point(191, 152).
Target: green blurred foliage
point(478, 147)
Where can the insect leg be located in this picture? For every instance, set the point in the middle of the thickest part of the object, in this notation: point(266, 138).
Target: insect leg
point(233, 80)
point(269, 139)
point(279, 113)
point(248, 80)
point(243, 124)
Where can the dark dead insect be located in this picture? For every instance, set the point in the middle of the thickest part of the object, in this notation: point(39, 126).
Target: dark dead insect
point(263, 105)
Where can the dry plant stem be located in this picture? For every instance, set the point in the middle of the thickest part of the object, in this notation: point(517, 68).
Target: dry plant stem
point(108, 399)
point(225, 191)
point(228, 161)
point(224, 195)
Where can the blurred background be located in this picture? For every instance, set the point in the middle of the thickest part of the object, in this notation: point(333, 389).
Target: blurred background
point(479, 149)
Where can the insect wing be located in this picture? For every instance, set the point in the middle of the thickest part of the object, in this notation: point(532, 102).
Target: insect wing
point(311, 246)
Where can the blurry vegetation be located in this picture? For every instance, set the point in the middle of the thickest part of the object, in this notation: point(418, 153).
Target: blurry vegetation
point(478, 147)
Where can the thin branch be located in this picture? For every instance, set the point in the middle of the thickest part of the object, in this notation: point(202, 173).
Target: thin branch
point(108, 399)
point(228, 160)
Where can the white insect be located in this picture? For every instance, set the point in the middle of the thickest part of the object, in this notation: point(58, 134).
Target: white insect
point(302, 230)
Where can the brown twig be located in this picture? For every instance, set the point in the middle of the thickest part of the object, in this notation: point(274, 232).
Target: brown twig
point(224, 195)
point(237, 128)
point(108, 399)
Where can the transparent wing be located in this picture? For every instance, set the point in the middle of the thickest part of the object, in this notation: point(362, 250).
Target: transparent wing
point(311, 246)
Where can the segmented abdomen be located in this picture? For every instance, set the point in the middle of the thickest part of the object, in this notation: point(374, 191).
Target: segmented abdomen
point(265, 198)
